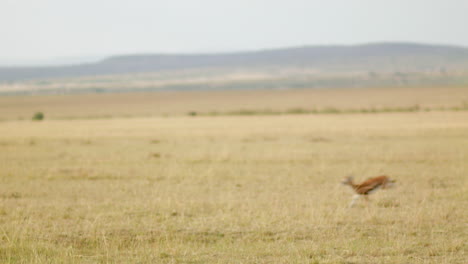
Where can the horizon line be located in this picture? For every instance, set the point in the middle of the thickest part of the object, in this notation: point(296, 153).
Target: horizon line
point(89, 59)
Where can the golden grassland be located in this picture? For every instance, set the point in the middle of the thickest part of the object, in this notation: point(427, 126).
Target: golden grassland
point(234, 189)
point(91, 185)
point(205, 102)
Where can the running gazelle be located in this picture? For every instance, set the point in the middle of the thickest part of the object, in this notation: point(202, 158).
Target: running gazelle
point(368, 186)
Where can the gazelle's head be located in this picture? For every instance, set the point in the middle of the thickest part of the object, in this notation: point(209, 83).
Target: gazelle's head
point(348, 180)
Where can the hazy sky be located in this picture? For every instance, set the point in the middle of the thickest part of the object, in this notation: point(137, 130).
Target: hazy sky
point(35, 30)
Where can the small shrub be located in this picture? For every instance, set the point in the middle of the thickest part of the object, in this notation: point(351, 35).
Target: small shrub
point(297, 111)
point(38, 116)
point(330, 110)
point(154, 155)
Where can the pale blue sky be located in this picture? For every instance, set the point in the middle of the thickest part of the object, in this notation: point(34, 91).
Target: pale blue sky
point(43, 30)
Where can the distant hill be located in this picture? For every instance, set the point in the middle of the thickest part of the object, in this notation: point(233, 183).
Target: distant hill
point(379, 57)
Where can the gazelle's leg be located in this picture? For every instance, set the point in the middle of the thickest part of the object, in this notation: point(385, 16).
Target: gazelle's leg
point(353, 201)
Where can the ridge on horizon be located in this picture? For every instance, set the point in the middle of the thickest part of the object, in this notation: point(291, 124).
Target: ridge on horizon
point(380, 56)
point(246, 51)
point(58, 61)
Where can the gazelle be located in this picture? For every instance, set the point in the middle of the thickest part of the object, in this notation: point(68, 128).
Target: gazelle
point(368, 186)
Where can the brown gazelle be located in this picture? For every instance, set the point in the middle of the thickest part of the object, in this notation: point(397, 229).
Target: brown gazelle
point(368, 186)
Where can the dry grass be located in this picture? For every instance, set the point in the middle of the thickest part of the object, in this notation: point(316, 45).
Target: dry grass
point(257, 189)
point(181, 103)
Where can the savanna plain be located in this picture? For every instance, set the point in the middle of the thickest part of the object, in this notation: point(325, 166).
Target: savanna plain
point(129, 186)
